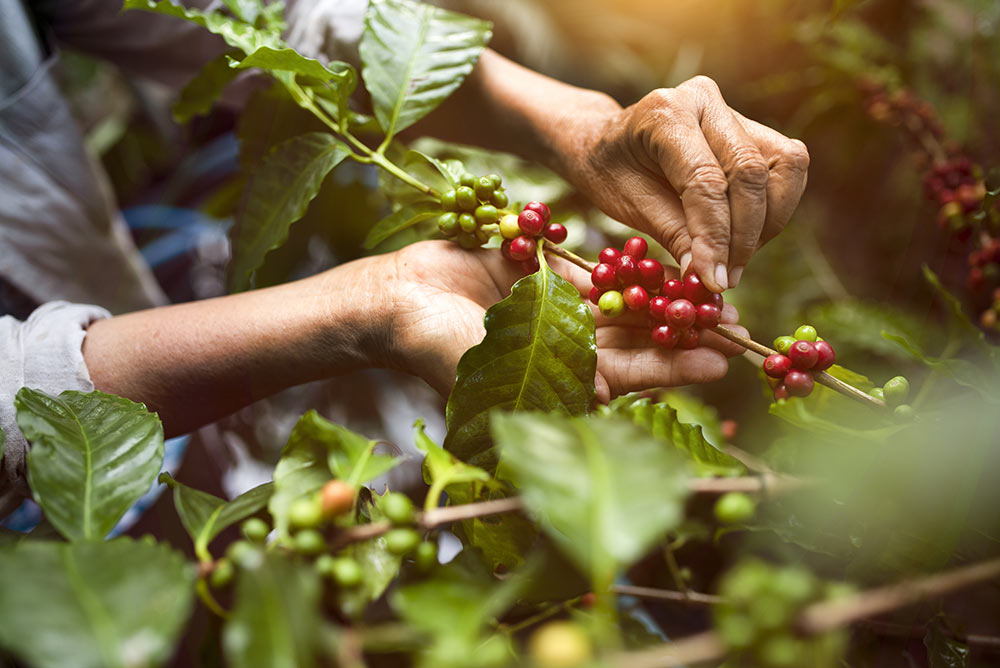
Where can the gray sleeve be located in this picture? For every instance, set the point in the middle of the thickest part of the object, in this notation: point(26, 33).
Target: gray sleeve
point(327, 28)
point(45, 353)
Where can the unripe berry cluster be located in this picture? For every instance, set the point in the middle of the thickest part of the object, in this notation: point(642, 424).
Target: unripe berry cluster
point(894, 393)
point(522, 231)
point(757, 616)
point(627, 280)
point(790, 370)
point(472, 210)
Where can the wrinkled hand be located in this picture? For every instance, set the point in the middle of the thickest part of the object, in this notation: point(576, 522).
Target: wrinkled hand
point(440, 293)
point(682, 166)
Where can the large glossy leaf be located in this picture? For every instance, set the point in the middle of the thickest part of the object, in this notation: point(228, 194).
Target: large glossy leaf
point(319, 450)
point(276, 620)
point(983, 375)
point(414, 56)
point(397, 221)
point(944, 650)
point(663, 422)
point(278, 193)
point(539, 354)
point(442, 175)
point(92, 456)
point(604, 490)
point(93, 604)
point(205, 516)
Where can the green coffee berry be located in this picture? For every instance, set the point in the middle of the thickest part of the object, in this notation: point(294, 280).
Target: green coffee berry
point(305, 512)
point(255, 530)
point(486, 214)
point(465, 197)
point(468, 241)
point(784, 343)
point(448, 224)
point(734, 507)
point(324, 564)
point(468, 180)
point(499, 199)
point(346, 572)
point(426, 555)
point(896, 390)
point(309, 542)
point(484, 189)
point(398, 508)
point(467, 223)
point(903, 413)
point(449, 201)
point(241, 552)
point(878, 393)
point(611, 303)
point(401, 541)
point(495, 179)
point(805, 333)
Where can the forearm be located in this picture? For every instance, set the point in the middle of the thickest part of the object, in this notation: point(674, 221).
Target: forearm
point(507, 107)
point(195, 363)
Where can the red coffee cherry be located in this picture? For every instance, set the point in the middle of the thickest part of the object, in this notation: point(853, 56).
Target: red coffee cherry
point(604, 277)
point(689, 339)
point(541, 209)
point(522, 248)
point(555, 232)
point(636, 297)
point(530, 223)
point(636, 247)
point(717, 299)
point(672, 289)
point(777, 365)
point(665, 336)
point(530, 265)
point(595, 295)
point(609, 255)
point(695, 291)
point(650, 274)
point(803, 355)
point(505, 249)
point(825, 356)
point(708, 315)
point(658, 308)
point(627, 270)
point(799, 383)
point(781, 392)
point(681, 314)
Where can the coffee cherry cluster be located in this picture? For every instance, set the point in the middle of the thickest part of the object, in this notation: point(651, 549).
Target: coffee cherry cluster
point(522, 231)
point(678, 309)
point(757, 616)
point(472, 210)
point(790, 370)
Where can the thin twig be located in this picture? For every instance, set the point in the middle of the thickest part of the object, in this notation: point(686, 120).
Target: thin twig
point(569, 256)
point(839, 612)
point(768, 484)
point(688, 598)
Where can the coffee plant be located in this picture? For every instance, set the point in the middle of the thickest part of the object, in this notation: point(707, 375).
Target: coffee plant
point(629, 534)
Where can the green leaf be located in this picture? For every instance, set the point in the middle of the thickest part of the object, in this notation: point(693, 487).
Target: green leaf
point(278, 193)
point(317, 451)
point(234, 32)
point(983, 377)
point(959, 321)
point(604, 490)
point(663, 422)
point(339, 74)
point(854, 324)
point(406, 217)
point(539, 354)
point(245, 10)
point(276, 620)
point(442, 468)
point(379, 566)
point(95, 604)
point(205, 516)
point(198, 96)
point(414, 56)
point(440, 175)
point(92, 456)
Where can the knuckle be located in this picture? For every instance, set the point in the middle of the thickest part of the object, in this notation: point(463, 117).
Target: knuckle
point(661, 99)
point(709, 182)
point(796, 155)
point(703, 84)
point(749, 168)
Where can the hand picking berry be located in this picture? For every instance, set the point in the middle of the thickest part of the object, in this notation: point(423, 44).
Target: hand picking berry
point(791, 371)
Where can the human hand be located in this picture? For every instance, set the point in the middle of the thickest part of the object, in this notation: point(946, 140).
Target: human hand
point(440, 294)
point(709, 184)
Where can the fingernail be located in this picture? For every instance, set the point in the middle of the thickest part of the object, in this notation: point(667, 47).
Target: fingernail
point(721, 275)
point(735, 275)
point(685, 261)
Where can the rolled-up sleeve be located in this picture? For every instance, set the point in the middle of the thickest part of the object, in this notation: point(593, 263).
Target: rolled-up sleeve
point(44, 352)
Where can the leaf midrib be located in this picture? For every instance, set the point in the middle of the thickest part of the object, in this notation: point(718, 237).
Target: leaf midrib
point(543, 288)
point(88, 471)
point(397, 109)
